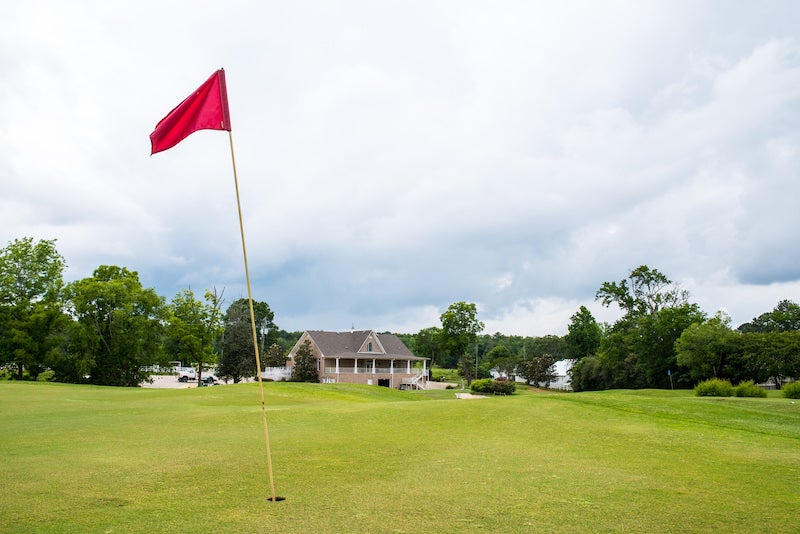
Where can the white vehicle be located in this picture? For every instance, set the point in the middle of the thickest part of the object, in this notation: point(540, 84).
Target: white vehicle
point(186, 373)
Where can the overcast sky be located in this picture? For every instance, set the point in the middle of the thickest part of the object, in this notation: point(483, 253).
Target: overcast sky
point(396, 157)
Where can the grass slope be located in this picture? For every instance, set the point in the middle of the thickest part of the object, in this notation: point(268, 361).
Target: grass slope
point(367, 459)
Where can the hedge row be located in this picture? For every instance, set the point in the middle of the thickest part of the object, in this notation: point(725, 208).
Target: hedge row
point(717, 387)
point(493, 387)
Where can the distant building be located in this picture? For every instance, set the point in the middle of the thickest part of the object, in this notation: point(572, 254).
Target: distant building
point(364, 357)
point(561, 380)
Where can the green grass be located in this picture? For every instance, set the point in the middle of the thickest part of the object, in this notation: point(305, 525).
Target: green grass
point(446, 375)
point(369, 459)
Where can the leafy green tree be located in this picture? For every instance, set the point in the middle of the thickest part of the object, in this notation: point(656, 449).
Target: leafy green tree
point(409, 340)
point(774, 355)
point(539, 370)
point(428, 343)
point(305, 364)
point(31, 319)
point(460, 328)
point(119, 326)
point(285, 340)
point(639, 349)
point(589, 374)
point(583, 338)
point(237, 358)
point(616, 359)
point(783, 318)
point(41, 338)
point(502, 359)
point(75, 362)
point(193, 327)
point(705, 348)
point(275, 356)
point(645, 291)
point(653, 343)
point(30, 272)
point(541, 345)
point(513, 343)
point(499, 353)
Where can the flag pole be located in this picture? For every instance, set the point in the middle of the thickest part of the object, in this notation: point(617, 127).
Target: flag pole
point(253, 326)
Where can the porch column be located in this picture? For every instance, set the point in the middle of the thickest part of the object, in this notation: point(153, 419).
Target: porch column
point(373, 367)
point(355, 365)
point(408, 366)
point(391, 367)
point(337, 366)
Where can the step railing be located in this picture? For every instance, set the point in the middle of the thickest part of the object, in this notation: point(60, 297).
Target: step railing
point(416, 382)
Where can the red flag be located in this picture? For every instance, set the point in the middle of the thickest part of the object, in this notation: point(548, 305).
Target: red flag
point(205, 109)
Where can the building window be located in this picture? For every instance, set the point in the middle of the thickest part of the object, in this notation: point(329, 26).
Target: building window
point(369, 347)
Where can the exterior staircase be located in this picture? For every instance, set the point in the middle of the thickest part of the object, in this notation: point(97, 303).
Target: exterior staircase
point(417, 382)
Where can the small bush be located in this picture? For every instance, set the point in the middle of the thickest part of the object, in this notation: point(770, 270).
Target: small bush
point(46, 376)
point(493, 387)
point(504, 387)
point(792, 390)
point(714, 387)
point(749, 389)
point(483, 385)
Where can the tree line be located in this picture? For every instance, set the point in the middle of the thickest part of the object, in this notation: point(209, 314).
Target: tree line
point(662, 340)
point(458, 345)
point(107, 329)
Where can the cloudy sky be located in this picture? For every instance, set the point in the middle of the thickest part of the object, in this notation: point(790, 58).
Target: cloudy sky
point(396, 157)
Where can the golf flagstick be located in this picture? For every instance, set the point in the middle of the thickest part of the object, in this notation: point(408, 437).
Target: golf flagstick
point(273, 498)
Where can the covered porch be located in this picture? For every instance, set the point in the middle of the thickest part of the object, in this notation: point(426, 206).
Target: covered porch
point(398, 373)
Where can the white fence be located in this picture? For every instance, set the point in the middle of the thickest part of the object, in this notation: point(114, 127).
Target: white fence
point(276, 373)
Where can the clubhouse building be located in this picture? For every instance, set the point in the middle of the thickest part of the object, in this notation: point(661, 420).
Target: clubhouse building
point(364, 357)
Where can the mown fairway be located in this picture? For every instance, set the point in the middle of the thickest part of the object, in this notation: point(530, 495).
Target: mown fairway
point(368, 459)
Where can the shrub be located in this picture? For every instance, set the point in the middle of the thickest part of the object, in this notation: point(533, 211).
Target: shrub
point(749, 389)
point(714, 387)
point(483, 385)
point(504, 387)
point(792, 390)
point(493, 387)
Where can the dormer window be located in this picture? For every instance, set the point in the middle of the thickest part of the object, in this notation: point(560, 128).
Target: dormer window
point(369, 347)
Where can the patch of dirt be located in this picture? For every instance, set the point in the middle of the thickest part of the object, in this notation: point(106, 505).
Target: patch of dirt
point(469, 396)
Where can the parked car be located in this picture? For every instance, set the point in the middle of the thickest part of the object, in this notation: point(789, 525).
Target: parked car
point(186, 373)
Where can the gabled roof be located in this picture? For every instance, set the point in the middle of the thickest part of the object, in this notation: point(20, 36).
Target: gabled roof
point(354, 344)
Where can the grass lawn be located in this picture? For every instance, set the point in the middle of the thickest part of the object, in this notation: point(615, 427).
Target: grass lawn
point(353, 458)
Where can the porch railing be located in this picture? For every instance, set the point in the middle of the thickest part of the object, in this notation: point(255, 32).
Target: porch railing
point(369, 370)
